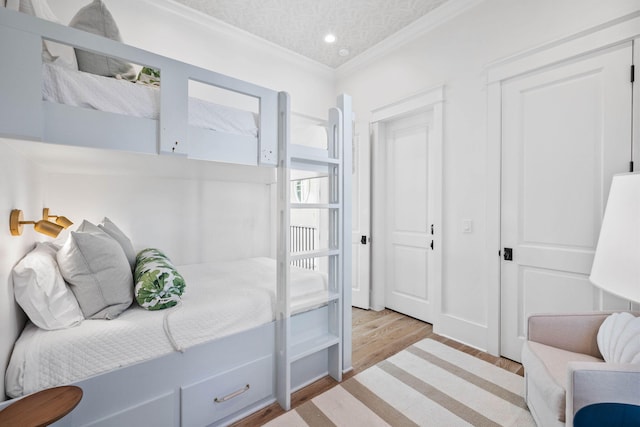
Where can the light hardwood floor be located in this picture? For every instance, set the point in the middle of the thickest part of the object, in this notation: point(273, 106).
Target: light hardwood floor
point(377, 335)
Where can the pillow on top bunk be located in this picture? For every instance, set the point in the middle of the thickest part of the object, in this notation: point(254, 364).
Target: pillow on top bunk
point(112, 230)
point(158, 283)
point(95, 18)
point(97, 271)
point(149, 76)
point(41, 291)
point(60, 54)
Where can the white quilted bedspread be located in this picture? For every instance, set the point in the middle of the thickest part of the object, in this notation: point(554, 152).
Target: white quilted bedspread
point(80, 89)
point(220, 299)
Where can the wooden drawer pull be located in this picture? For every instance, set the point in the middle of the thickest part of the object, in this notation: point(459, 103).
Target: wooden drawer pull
point(232, 395)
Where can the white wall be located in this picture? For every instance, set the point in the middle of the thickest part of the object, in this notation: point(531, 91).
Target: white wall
point(191, 220)
point(456, 55)
point(20, 188)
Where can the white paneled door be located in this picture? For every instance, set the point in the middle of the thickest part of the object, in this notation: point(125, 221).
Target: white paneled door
point(566, 131)
point(408, 218)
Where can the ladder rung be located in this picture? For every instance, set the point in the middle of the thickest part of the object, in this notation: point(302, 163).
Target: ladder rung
point(312, 153)
point(313, 345)
point(313, 254)
point(315, 206)
point(333, 296)
point(321, 161)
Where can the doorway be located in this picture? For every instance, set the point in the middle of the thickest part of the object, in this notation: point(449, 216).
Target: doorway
point(407, 205)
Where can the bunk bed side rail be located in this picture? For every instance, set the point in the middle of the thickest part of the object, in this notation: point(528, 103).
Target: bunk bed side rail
point(21, 101)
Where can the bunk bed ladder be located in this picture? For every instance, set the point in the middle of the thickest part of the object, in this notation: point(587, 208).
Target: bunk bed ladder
point(296, 349)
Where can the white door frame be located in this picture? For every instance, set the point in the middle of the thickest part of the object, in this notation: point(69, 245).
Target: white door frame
point(581, 44)
point(361, 195)
point(430, 100)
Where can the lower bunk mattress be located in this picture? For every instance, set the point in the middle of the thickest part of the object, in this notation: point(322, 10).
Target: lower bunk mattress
point(220, 299)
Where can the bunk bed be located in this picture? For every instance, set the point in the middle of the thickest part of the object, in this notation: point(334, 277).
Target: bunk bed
point(217, 380)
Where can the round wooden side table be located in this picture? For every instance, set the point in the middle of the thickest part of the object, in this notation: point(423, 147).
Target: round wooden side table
point(41, 408)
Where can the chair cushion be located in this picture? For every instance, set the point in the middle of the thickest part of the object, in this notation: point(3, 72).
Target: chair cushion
point(546, 369)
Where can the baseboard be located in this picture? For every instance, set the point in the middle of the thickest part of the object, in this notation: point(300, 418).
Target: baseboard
point(463, 331)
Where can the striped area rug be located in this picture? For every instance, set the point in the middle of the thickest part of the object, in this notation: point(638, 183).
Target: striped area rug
point(427, 384)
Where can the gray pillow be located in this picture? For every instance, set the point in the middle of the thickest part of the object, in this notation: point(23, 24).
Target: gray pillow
point(97, 271)
point(96, 18)
point(112, 230)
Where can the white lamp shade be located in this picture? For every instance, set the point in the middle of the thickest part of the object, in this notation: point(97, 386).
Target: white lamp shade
point(616, 266)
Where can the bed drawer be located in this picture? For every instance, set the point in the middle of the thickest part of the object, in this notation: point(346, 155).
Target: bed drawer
point(216, 397)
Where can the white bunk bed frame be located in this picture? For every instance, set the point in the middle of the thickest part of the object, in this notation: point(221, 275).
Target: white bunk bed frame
point(223, 380)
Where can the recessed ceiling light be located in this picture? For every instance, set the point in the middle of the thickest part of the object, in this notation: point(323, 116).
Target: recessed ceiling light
point(330, 38)
point(343, 52)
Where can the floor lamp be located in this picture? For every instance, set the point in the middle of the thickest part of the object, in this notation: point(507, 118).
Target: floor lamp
point(616, 266)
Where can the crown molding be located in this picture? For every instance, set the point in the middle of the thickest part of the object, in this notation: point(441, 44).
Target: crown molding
point(623, 28)
point(415, 102)
point(219, 26)
point(416, 29)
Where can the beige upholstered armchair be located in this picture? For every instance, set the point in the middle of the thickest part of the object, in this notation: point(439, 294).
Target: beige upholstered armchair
point(565, 371)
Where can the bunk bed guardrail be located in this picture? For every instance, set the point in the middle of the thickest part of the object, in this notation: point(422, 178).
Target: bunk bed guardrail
point(24, 114)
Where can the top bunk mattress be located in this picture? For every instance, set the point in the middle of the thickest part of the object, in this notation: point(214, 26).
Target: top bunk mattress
point(79, 89)
point(220, 299)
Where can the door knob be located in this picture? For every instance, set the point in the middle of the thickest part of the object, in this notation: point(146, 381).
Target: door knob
point(508, 254)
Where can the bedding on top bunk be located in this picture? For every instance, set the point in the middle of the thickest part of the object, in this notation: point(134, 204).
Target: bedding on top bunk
point(79, 89)
point(221, 299)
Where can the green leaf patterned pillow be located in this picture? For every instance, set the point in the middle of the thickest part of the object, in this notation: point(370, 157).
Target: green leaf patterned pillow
point(158, 283)
point(149, 76)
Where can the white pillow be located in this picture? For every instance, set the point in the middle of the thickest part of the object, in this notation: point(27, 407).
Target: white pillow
point(60, 54)
point(41, 291)
point(112, 230)
point(95, 18)
point(619, 338)
point(97, 271)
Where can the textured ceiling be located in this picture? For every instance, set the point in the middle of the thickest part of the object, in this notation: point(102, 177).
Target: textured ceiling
point(300, 25)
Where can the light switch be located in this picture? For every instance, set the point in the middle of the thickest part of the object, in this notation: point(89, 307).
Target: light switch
point(467, 226)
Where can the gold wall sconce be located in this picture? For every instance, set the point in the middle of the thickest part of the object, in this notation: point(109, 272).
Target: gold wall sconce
point(60, 220)
point(44, 226)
